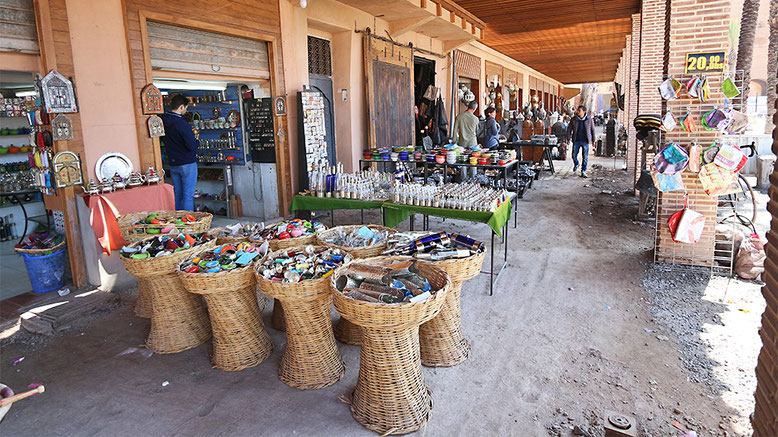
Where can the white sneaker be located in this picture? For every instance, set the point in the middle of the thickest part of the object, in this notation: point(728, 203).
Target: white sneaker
point(584, 175)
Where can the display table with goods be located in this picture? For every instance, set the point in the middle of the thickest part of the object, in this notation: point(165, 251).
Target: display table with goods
point(299, 278)
point(224, 276)
point(388, 298)
point(302, 202)
point(284, 235)
point(535, 151)
point(179, 320)
point(441, 340)
point(360, 241)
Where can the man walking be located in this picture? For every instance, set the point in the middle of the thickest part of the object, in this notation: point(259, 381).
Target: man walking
point(581, 132)
point(181, 149)
point(466, 126)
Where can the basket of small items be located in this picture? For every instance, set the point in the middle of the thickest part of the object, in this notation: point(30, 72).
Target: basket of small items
point(236, 233)
point(178, 319)
point(225, 278)
point(389, 297)
point(298, 277)
point(288, 234)
point(461, 257)
point(138, 226)
point(361, 241)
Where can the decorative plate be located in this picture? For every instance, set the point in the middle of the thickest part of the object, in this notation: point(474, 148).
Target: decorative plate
point(112, 163)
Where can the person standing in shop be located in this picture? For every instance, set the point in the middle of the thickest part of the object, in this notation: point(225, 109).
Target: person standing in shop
point(581, 132)
point(466, 126)
point(181, 149)
point(491, 130)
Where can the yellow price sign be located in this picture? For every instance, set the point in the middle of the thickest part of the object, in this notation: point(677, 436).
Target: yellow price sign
point(708, 62)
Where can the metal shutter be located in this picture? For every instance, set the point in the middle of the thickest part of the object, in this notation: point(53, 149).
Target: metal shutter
point(17, 27)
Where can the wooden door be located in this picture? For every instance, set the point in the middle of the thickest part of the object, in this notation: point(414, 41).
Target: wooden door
point(389, 93)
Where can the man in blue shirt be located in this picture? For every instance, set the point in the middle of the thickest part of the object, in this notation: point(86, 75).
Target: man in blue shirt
point(181, 149)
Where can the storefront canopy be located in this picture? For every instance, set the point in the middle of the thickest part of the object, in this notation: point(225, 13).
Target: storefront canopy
point(569, 40)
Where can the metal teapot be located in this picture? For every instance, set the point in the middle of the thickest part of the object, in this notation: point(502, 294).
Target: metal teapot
point(118, 182)
point(154, 176)
point(136, 178)
point(106, 185)
point(92, 188)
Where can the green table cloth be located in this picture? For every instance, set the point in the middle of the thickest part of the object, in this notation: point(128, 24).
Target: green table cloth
point(311, 203)
point(395, 213)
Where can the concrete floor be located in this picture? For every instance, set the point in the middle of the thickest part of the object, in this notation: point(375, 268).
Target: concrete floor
point(562, 339)
point(13, 274)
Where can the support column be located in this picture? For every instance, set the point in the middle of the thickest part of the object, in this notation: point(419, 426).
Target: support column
point(632, 104)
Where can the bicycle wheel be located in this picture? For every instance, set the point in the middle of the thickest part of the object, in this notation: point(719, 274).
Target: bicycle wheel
point(748, 192)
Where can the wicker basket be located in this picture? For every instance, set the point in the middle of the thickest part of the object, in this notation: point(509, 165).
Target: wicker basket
point(441, 340)
point(277, 319)
point(220, 239)
point(239, 337)
point(356, 252)
point(137, 232)
point(391, 396)
point(143, 306)
point(287, 243)
point(179, 320)
point(347, 332)
point(41, 251)
point(310, 359)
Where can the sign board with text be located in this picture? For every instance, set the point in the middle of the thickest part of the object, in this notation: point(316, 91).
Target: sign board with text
point(705, 63)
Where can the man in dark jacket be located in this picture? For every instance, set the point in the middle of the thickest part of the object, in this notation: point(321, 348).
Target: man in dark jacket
point(581, 132)
point(181, 149)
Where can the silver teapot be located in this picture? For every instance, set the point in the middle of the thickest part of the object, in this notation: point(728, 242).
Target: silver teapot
point(154, 176)
point(118, 182)
point(92, 188)
point(106, 185)
point(136, 178)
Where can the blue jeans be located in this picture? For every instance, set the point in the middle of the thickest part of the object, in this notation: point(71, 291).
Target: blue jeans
point(578, 145)
point(184, 178)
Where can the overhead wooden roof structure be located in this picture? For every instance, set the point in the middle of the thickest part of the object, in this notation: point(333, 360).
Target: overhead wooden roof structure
point(573, 41)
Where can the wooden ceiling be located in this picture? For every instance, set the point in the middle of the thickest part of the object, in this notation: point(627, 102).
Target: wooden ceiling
point(573, 41)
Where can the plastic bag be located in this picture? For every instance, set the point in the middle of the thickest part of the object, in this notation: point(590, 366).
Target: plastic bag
point(749, 262)
point(688, 225)
point(672, 159)
point(717, 181)
point(687, 122)
point(691, 86)
point(717, 119)
point(695, 158)
point(703, 89)
point(709, 154)
point(731, 158)
point(729, 88)
point(738, 123)
point(670, 89)
point(668, 182)
point(668, 121)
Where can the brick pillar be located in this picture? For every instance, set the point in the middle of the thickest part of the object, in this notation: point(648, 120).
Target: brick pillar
point(695, 25)
point(765, 418)
point(625, 87)
point(632, 108)
point(652, 58)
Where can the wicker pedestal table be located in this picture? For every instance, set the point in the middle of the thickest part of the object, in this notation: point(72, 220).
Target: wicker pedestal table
point(441, 341)
point(143, 304)
point(311, 359)
point(239, 337)
point(345, 331)
point(391, 396)
point(178, 319)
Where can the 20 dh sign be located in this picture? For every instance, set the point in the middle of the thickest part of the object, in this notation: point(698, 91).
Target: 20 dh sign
point(708, 62)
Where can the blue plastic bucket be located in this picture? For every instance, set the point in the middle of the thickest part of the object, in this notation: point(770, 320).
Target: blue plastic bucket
point(46, 272)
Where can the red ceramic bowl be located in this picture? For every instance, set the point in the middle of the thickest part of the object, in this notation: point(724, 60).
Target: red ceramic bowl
point(483, 161)
point(440, 159)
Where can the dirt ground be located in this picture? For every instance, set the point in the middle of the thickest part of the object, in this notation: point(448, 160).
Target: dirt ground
point(581, 321)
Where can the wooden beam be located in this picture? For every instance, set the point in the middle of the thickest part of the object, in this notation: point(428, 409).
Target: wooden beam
point(20, 62)
point(455, 44)
point(399, 27)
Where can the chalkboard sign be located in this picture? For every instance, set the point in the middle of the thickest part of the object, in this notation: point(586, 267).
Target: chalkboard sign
point(260, 132)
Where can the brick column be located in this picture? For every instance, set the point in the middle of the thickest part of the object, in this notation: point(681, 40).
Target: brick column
point(632, 107)
point(652, 57)
point(695, 25)
point(624, 116)
point(765, 418)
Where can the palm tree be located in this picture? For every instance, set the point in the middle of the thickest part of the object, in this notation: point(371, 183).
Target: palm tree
point(745, 49)
point(772, 67)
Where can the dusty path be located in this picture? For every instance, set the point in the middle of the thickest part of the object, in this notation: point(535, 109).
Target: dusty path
point(563, 338)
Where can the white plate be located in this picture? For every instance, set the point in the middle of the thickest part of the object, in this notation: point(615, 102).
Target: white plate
point(112, 163)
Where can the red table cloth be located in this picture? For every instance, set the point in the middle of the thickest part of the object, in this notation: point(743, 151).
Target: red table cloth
point(104, 209)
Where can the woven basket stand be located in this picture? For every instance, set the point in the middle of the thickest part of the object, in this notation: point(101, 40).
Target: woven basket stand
point(179, 320)
point(239, 337)
point(311, 359)
point(391, 395)
point(133, 233)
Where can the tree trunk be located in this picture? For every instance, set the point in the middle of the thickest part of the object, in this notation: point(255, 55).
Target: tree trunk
point(745, 49)
point(772, 67)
